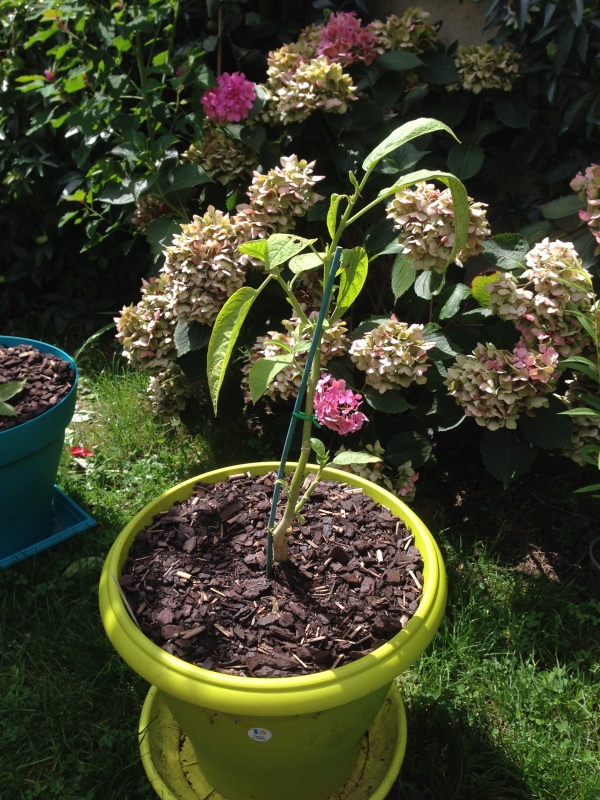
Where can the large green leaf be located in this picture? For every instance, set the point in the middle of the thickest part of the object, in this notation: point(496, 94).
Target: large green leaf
point(562, 207)
point(191, 336)
point(405, 133)
point(283, 246)
point(8, 390)
point(429, 283)
point(257, 248)
point(332, 213)
point(390, 402)
point(263, 372)
point(548, 428)
point(465, 160)
point(405, 447)
point(506, 455)
point(354, 269)
point(507, 251)
point(305, 261)
point(403, 275)
point(224, 336)
point(398, 61)
point(352, 457)
point(452, 303)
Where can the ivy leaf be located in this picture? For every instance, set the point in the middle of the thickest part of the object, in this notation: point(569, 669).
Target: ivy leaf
point(262, 373)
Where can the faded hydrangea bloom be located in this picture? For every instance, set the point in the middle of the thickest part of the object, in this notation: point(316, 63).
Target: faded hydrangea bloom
point(304, 86)
point(496, 386)
point(203, 266)
point(424, 217)
point(286, 383)
point(540, 301)
point(393, 355)
point(585, 427)
point(144, 330)
point(481, 67)
point(345, 41)
point(169, 390)
point(401, 483)
point(587, 185)
point(278, 198)
point(147, 209)
point(231, 100)
point(412, 32)
point(336, 406)
point(226, 160)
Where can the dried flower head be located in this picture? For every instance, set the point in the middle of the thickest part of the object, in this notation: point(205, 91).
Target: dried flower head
point(496, 386)
point(392, 355)
point(401, 482)
point(277, 198)
point(541, 301)
point(344, 40)
point(144, 330)
point(226, 160)
point(147, 209)
point(169, 390)
point(231, 100)
point(203, 266)
point(424, 217)
point(336, 406)
point(587, 185)
point(412, 32)
point(481, 67)
point(297, 91)
point(286, 383)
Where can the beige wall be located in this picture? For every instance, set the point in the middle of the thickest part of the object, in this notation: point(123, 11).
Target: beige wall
point(462, 22)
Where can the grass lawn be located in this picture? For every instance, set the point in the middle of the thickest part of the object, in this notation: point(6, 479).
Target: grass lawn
point(504, 704)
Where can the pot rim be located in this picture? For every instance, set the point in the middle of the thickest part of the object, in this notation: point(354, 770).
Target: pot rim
point(278, 696)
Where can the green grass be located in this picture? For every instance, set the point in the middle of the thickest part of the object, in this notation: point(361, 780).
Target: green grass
point(504, 704)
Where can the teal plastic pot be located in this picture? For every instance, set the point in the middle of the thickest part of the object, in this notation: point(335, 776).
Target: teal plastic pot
point(271, 738)
point(29, 458)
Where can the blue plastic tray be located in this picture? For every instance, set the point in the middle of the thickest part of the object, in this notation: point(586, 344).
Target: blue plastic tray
point(69, 519)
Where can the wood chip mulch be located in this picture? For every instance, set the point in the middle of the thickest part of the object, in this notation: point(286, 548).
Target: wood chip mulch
point(49, 380)
point(195, 580)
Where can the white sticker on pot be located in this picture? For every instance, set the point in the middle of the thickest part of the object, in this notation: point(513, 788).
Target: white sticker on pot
point(260, 734)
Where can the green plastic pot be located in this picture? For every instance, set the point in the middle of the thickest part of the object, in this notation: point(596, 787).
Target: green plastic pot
point(29, 458)
point(268, 738)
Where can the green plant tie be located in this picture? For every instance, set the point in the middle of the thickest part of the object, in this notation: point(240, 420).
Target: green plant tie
point(297, 413)
point(301, 415)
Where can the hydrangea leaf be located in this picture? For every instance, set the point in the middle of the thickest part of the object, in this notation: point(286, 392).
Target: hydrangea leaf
point(478, 290)
point(8, 390)
point(403, 275)
point(507, 251)
point(548, 428)
point(452, 304)
point(506, 455)
point(350, 457)
point(305, 262)
point(283, 246)
point(255, 249)
point(390, 402)
point(405, 133)
point(354, 269)
point(408, 446)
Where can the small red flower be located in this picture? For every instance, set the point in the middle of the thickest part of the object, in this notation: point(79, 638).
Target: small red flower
point(81, 452)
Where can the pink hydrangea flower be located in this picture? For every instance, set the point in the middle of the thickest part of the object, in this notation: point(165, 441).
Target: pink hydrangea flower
point(336, 407)
point(231, 100)
point(344, 40)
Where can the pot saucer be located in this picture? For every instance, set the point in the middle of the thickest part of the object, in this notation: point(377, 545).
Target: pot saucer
point(69, 519)
point(174, 774)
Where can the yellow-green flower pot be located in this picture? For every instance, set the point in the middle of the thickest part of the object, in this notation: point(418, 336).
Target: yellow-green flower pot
point(296, 738)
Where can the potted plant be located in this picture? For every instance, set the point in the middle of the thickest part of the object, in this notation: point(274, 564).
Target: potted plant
point(338, 732)
point(38, 387)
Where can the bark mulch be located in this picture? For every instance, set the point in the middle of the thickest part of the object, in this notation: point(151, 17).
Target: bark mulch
point(49, 380)
point(195, 580)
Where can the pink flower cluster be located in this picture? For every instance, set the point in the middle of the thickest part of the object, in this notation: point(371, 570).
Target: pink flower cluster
point(344, 40)
point(231, 100)
point(587, 185)
point(336, 407)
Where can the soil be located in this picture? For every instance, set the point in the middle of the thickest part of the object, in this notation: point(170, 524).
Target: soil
point(49, 380)
point(195, 580)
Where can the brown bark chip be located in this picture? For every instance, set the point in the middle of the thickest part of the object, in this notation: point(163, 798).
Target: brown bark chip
point(195, 580)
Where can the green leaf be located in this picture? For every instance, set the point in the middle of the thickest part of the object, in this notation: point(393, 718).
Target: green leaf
point(398, 61)
point(283, 246)
point(452, 304)
point(263, 372)
point(548, 428)
point(505, 454)
point(184, 176)
point(443, 346)
point(319, 448)
point(333, 212)
point(190, 337)
point(479, 290)
point(514, 111)
point(403, 275)
point(161, 58)
point(405, 447)
point(562, 207)
point(429, 283)
point(224, 336)
point(465, 160)
point(305, 261)
point(390, 402)
point(354, 270)
point(74, 84)
point(438, 68)
point(507, 251)
point(350, 457)
point(256, 249)
point(405, 133)
point(8, 390)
